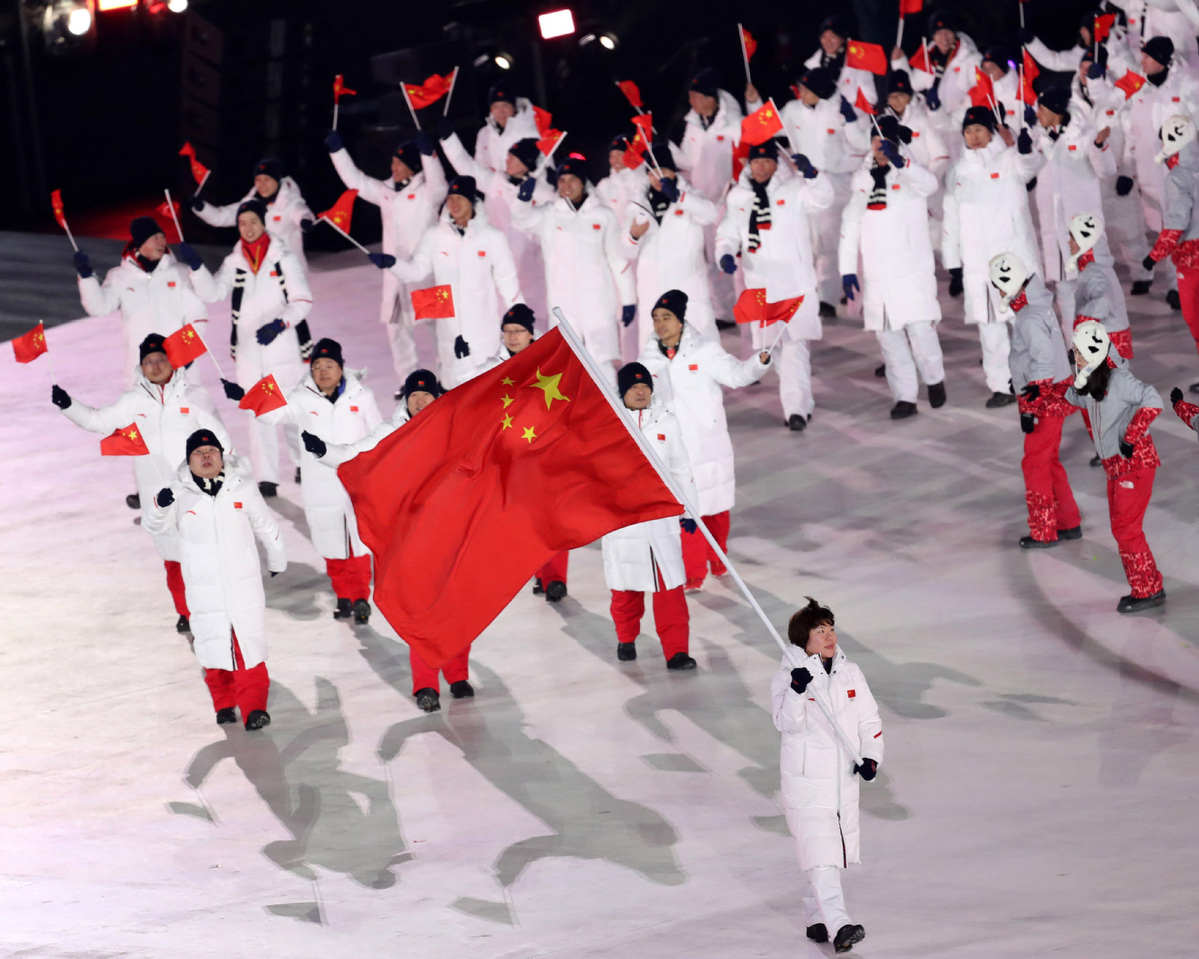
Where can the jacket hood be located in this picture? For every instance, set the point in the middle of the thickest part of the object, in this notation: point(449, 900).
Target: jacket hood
point(353, 380)
point(237, 471)
point(729, 108)
point(478, 220)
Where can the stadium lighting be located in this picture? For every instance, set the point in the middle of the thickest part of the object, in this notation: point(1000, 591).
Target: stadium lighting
point(176, 6)
point(105, 5)
point(608, 41)
point(558, 23)
point(503, 61)
point(79, 21)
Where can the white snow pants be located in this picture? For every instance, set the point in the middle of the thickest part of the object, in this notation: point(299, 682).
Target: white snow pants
point(823, 900)
point(914, 346)
point(793, 363)
point(996, 342)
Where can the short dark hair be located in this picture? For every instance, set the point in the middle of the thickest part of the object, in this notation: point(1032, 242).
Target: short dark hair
point(806, 620)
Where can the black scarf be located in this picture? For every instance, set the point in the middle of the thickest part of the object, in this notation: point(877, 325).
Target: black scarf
point(706, 122)
point(147, 264)
point(658, 203)
point(878, 195)
point(759, 216)
point(833, 63)
point(1157, 79)
point(210, 486)
point(401, 184)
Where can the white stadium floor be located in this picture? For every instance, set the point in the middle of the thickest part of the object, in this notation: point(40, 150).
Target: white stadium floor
point(1038, 796)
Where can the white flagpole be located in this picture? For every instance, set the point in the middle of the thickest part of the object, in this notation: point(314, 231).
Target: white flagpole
point(345, 234)
point(203, 180)
point(49, 358)
point(899, 37)
point(404, 90)
point(454, 79)
point(208, 351)
point(171, 208)
point(336, 104)
point(664, 474)
point(744, 53)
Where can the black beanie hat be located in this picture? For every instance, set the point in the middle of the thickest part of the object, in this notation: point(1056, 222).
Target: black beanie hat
point(255, 206)
point(1055, 99)
point(630, 375)
point(664, 158)
point(940, 20)
point(272, 167)
point(820, 81)
point(1160, 49)
point(463, 186)
point(501, 92)
point(806, 619)
point(151, 344)
point(836, 23)
point(329, 350)
point(999, 55)
point(898, 81)
point(891, 129)
point(983, 116)
point(421, 381)
point(675, 301)
point(409, 154)
point(526, 151)
point(574, 166)
point(202, 438)
point(519, 313)
point(619, 142)
point(763, 151)
point(707, 82)
point(141, 229)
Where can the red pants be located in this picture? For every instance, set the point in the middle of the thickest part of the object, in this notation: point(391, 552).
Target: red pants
point(175, 585)
point(424, 676)
point(671, 617)
point(697, 554)
point(351, 577)
point(1127, 499)
point(1047, 491)
point(245, 688)
point(554, 570)
point(1188, 294)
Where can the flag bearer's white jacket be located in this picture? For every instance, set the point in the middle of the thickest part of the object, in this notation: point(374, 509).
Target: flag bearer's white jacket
point(221, 571)
point(899, 283)
point(165, 417)
point(493, 143)
point(783, 264)
point(706, 156)
point(283, 215)
point(350, 417)
point(279, 290)
point(634, 555)
point(849, 79)
point(690, 386)
point(338, 453)
point(986, 213)
point(407, 213)
point(820, 788)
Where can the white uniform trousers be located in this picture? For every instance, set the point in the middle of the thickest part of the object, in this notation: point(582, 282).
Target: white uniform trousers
point(996, 341)
point(401, 337)
point(793, 363)
point(915, 346)
point(823, 901)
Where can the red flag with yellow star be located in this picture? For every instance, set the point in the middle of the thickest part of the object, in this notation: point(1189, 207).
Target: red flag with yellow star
point(866, 56)
point(433, 302)
point(751, 307)
point(433, 89)
point(124, 442)
point(263, 397)
point(29, 346)
point(463, 504)
point(183, 346)
point(761, 125)
point(342, 212)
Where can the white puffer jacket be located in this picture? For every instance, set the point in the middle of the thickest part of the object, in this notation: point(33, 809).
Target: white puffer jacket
point(690, 386)
point(820, 788)
point(706, 156)
point(221, 572)
point(283, 215)
point(634, 555)
point(165, 416)
point(492, 143)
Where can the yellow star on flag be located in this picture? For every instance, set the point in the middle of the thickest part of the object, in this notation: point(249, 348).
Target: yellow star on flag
point(133, 434)
point(506, 400)
point(506, 381)
point(549, 385)
point(507, 422)
point(529, 434)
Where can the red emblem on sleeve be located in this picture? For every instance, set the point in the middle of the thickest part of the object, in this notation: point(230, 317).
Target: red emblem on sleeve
point(661, 437)
point(853, 694)
point(236, 505)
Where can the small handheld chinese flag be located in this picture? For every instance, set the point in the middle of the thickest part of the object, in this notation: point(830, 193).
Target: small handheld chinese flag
point(751, 307)
point(1103, 26)
point(340, 89)
point(631, 92)
point(544, 120)
point(56, 204)
point(634, 152)
point(644, 122)
point(909, 7)
point(433, 302)
point(31, 345)
point(866, 56)
point(183, 346)
point(124, 442)
point(861, 103)
point(263, 397)
point(982, 94)
point(761, 125)
point(199, 170)
point(1130, 83)
point(751, 45)
point(342, 212)
point(920, 61)
point(549, 140)
point(426, 94)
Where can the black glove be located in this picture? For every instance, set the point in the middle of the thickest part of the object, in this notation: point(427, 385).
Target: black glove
point(382, 260)
point(525, 192)
point(1149, 263)
point(60, 398)
point(688, 524)
point(803, 165)
point(334, 142)
point(891, 152)
point(847, 111)
point(868, 770)
point(1123, 185)
point(461, 347)
point(83, 265)
point(232, 390)
point(314, 444)
point(955, 281)
point(1031, 185)
point(274, 573)
point(307, 225)
point(445, 128)
point(268, 331)
point(800, 678)
point(1026, 36)
point(932, 99)
point(1126, 449)
point(670, 189)
point(1095, 71)
point(186, 255)
point(849, 283)
point(1175, 396)
point(1028, 422)
point(628, 313)
point(196, 204)
point(1030, 116)
point(1032, 392)
point(425, 144)
point(728, 264)
point(164, 498)
point(1024, 142)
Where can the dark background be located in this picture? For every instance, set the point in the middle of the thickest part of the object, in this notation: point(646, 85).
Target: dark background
point(103, 119)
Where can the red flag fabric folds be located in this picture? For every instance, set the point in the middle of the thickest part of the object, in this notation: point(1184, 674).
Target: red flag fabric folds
point(124, 442)
point(544, 120)
point(1130, 83)
point(56, 204)
point(263, 397)
point(341, 213)
point(751, 307)
point(433, 302)
point(1103, 26)
point(909, 7)
point(183, 346)
point(919, 60)
point(761, 125)
point(429, 92)
point(982, 94)
point(199, 170)
point(340, 89)
point(465, 503)
point(631, 92)
point(866, 56)
point(863, 104)
point(31, 345)
point(644, 123)
point(751, 45)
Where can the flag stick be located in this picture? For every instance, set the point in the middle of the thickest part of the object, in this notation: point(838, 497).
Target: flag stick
point(454, 79)
point(899, 37)
point(74, 245)
point(345, 234)
point(404, 90)
point(171, 207)
point(601, 382)
point(744, 53)
point(995, 110)
point(778, 339)
point(335, 106)
point(49, 358)
point(1020, 3)
point(203, 180)
point(208, 351)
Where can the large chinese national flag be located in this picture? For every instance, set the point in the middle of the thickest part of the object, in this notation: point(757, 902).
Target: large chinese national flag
point(466, 502)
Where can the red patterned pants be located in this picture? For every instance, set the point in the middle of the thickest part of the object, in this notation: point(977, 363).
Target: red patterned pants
point(424, 676)
point(697, 554)
point(1047, 490)
point(1127, 499)
point(1188, 294)
point(175, 585)
point(351, 577)
point(245, 688)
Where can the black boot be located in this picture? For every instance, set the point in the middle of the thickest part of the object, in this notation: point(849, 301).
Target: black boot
point(902, 410)
point(936, 395)
point(344, 610)
point(1140, 287)
point(182, 625)
point(796, 423)
point(362, 611)
point(1000, 399)
point(133, 501)
point(1194, 387)
point(846, 936)
point(462, 689)
point(258, 719)
point(554, 591)
point(1096, 460)
point(1074, 532)
point(626, 652)
point(428, 700)
point(268, 490)
point(297, 474)
point(680, 661)
point(880, 371)
point(1134, 604)
point(1173, 300)
point(827, 310)
point(538, 589)
point(1027, 542)
point(226, 716)
point(818, 932)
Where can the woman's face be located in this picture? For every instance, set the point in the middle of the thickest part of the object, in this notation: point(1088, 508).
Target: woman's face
point(822, 641)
